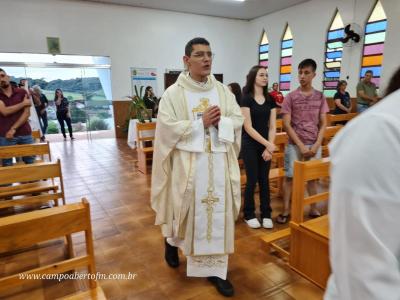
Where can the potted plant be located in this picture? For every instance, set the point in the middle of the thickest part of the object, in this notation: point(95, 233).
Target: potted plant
point(138, 106)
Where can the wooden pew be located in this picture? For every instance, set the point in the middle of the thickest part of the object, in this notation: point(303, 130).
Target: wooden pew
point(333, 119)
point(25, 230)
point(309, 250)
point(330, 132)
point(144, 151)
point(36, 135)
point(38, 149)
point(30, 179)
point(309, 240)
point(332, 105)
point(279, 125)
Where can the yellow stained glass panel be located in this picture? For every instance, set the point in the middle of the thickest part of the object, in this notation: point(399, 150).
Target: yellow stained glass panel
point(288, 34)
point(264, 39)
point(378, 13)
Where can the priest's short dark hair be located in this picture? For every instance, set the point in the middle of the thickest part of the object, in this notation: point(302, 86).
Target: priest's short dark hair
point(195, 41)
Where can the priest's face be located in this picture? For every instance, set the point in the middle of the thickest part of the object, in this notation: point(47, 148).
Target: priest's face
point(199, 62)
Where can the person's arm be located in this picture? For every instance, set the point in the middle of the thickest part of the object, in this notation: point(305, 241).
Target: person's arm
point(67, 106)
point(272, 126)
point(45, 101)
point(339, 104)
point(361, 93)
point(9, 110)
point(321, 132)
point(293, 135)
point(351, 103)
point(21, 120)
point(252, 132)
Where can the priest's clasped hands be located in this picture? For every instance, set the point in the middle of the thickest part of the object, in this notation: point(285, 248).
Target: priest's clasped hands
point(211, 116)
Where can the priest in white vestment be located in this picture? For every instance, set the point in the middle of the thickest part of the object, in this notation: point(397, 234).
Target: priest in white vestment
point(195, 188)
point(364, 207)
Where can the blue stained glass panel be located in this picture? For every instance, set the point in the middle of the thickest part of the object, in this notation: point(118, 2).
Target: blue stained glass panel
point(264, 48)
point(287, 44)
point(332, 74)
point(337, 34)
point(375, 70)
point(285, 77)
point(374, 27)
point(335, 54)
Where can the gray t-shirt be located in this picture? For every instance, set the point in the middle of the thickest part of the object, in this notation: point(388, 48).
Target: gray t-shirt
point(369, 90)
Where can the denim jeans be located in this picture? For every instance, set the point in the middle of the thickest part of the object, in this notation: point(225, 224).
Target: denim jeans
point(18, 140)
point(362, 107)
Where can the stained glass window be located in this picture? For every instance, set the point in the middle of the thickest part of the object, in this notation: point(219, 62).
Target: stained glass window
point(375, 32)
point(333, 56)
point(286, 61)
point(263, 50)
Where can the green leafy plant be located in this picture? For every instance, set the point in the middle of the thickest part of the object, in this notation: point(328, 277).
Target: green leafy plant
point(52, 128)
point(97, 124)
point(138, 106)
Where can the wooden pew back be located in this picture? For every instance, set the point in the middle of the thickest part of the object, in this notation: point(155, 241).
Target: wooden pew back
point(36, 135)
point(305, 171)
point(25, 230)
point(30, 172)
point(329, 134)
point(144, 151)
point(39, 149)
point(279, 125)
point(140, 129)
point(32, 178)
point(333, 119)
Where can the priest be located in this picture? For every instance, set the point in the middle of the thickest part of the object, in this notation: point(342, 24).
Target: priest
point(195, 188)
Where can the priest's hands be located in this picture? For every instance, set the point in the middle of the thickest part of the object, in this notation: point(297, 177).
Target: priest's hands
point(211, 116)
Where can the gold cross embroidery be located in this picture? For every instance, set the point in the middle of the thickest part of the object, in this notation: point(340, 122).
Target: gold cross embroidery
point(204, 104)
point(201, 108)
point(210, 200)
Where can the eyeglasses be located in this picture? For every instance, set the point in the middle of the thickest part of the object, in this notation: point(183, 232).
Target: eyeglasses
point(202, 55)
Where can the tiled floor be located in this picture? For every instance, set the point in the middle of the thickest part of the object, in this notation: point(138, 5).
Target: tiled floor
point(126, 240)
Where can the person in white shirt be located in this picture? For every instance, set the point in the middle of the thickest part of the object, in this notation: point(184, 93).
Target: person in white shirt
point(364, 207)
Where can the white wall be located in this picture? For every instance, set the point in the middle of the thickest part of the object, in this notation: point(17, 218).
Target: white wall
point(132, 37)
point(309, 23)
point(137, 37)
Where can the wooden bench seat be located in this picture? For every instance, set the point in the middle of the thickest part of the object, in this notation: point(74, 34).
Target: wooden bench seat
point(25, 230)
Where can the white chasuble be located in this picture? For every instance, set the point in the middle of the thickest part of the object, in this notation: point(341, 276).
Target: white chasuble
point(209, 256)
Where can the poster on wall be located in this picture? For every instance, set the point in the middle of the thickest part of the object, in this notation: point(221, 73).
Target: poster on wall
point(144, 77)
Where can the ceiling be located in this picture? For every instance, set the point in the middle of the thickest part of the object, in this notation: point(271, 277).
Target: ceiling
point(247, 10)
